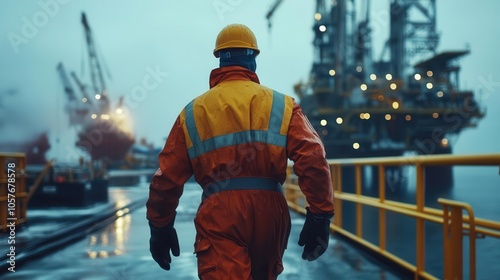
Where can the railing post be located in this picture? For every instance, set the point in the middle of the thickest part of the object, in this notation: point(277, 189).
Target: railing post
point(338, 202)
point(17, 214)
point(359, 207)
point(288, 181)
point(453, 239)
point(420, 242)
point(290, 194)
point(381, 211)
point(3, 195)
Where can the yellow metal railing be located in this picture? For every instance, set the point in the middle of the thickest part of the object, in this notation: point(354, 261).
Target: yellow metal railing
point(455, 224)
point(13, 195)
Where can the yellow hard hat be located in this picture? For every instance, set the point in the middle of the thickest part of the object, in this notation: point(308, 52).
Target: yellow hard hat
point(236, 36)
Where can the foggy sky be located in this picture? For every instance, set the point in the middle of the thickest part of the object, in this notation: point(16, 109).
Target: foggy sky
point(170, 43)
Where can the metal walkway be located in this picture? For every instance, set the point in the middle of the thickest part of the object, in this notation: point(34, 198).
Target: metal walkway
point(120, 248)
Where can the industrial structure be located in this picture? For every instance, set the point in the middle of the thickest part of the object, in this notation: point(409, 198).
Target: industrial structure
point(406, 100)
point(103, 130)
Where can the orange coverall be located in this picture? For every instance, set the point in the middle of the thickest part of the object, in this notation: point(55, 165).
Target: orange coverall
point(240, 132)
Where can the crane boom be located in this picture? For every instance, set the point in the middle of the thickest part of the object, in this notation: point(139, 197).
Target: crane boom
point(77, 109)
point(271, 11)
point(68, 89)
point(82, 87)
point(95, 67)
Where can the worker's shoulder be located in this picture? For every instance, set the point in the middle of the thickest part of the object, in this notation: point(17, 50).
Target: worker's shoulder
point(274, 91)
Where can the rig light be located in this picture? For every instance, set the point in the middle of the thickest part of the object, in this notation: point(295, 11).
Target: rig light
point(364, 116)
point(444, 142)
point(395, 105)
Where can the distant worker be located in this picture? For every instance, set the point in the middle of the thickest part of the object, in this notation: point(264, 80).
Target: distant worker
point(236, 139)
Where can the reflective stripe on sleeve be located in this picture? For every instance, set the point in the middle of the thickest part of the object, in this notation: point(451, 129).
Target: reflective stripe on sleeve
point(277, 110)
point(191, 125)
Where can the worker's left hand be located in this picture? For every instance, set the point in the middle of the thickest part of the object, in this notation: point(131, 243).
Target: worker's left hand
point(162, 241)
point(315, 235)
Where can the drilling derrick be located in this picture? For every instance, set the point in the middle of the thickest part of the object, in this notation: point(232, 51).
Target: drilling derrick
point(412, 33)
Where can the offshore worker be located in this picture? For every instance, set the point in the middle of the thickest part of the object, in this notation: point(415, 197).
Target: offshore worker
point(236, 139)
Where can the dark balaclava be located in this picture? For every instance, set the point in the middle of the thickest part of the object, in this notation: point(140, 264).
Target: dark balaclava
point(240, 57)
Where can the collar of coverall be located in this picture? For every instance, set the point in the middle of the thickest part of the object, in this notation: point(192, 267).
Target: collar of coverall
point(230, 73)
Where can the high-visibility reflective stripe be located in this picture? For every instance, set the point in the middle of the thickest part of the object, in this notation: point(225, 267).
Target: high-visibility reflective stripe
point(270, 136)
point(277, 110)
point(247, 183)
point(191, 126)
point(237, 138)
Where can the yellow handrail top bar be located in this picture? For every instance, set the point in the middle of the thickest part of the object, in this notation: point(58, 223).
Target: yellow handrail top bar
point(4, 154)
point(484, 159)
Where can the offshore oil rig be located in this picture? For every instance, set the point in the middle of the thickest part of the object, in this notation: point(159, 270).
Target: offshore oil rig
point(407, 100)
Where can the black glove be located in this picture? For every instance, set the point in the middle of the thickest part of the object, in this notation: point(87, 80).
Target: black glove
point(163, 239)
point(315, 235)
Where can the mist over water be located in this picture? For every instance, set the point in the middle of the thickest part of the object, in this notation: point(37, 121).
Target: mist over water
point(21, 118)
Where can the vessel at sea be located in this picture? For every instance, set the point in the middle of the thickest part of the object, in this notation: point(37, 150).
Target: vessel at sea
point(104, 131)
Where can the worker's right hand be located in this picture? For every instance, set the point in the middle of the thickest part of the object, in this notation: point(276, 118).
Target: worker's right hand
point(162, 241)
point(315, 235)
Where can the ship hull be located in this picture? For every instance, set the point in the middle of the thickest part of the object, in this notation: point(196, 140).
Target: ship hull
point(105, 140)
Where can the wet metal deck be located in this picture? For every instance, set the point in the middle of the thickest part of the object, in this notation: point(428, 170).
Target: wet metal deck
point(120, 249)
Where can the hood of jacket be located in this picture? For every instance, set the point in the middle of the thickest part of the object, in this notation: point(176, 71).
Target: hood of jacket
point(231, 73)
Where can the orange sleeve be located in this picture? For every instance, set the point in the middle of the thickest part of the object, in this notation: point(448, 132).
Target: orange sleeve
point(167, 184)
point(305, 149)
